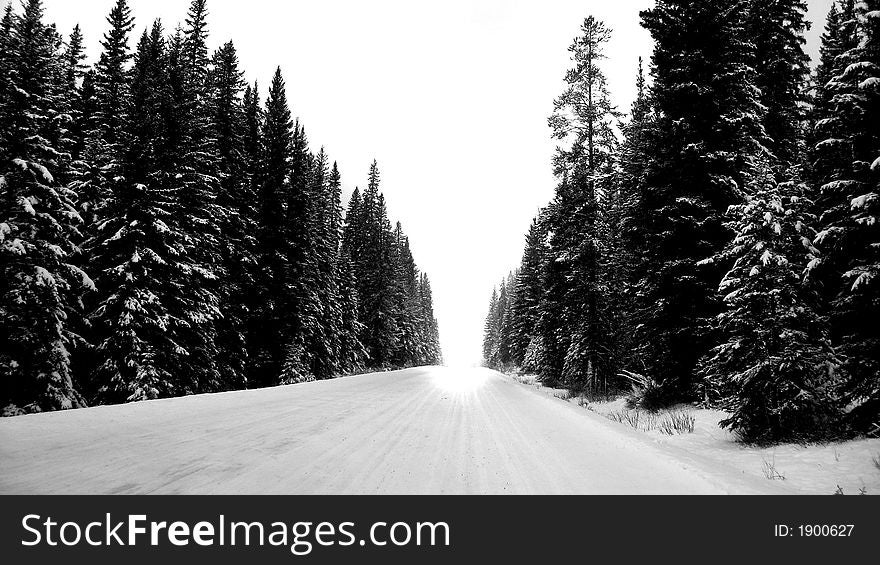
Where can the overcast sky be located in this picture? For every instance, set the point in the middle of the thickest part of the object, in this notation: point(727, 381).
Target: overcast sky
point(451, 97)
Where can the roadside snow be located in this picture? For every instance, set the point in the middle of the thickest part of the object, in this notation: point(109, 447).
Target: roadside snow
point(807, 469)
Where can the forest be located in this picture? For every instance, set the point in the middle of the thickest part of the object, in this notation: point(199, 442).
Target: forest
point(165, 231)
point(720, 243)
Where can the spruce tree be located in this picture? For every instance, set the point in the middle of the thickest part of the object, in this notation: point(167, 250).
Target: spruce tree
point(138, 245)
point(352, 233)
point(266, 340)
point(237, 199)
point(849, 237)
point(583, 122)
point(405, 282)
point(431, 330)
point(553, 327)
point(214, 236)
point(491, 333)
point(74, 71)
point(708, 121)
point(624, 264)
point(370, 241)
point(323, 343)
point(352, 355)
point(252, 136)
point(776, 28)
point(100, 164)
point(773, 370)
point(525, 307)
point(6, 55)
point(193, 175)
point(40, 288)
point(303, 334)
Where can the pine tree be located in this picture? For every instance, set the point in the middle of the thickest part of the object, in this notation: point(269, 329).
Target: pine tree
point(251, 135)
point(6, 57)
point(215, 237)
point(582, 120)
point(624, 264)
point(302, 308)
point(827, 159)
point(237, 199)
point(525, 306)
point(371, 245)
point(352, 233)
point(848, 169)
point(708, 121)
point(100, 163)
point(266, 341)
point(405, 312)
point(434, 355)
point(322, 343)
point(776, 28)
point(774, 368)
point(505, 331)
point(193, 175)
point(39, 286)
point(137, 244)
point(74, 71)
point(553, 327)
point(352, 355)
point(491, 333)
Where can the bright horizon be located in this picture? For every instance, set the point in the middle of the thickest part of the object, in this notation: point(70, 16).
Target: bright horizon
point(451, 99)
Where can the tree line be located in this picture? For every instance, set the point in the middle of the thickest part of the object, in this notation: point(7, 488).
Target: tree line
point(721, 244)
point(164, 232)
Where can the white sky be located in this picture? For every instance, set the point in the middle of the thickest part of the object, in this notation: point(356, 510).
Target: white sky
point(451, 97)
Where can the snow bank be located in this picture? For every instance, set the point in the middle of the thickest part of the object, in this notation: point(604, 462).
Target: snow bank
point(807, 469)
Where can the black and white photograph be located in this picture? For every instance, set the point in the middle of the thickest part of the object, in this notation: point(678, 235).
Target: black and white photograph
point(388, 247)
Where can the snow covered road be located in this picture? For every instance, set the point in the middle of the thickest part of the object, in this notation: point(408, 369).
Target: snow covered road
point(425, 431)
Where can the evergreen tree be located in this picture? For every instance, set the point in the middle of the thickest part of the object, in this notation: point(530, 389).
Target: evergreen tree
point(838, 38)
point(40, 288)
point(776, 28)
point(708, 121)
point(74, 71)
point(371, 243)
point(237, 199)
point(525, 306)
point(352, 355)
point(582, 119)
point(99, 167)
point(405, 280)
point(848, 170)
point(193, 175)
point(505, 333)
point(214, 236)
point(491, 333)
point(6, 57)
point(352, 233)
point(138, 245)
point(267, 346)
point(302, 309)
point(322, 294)
point(773, 370)
point(624, 263)
point(252, 136)
point(434, 355)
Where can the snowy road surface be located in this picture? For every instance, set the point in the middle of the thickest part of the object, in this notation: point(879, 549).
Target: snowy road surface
point(428, 430)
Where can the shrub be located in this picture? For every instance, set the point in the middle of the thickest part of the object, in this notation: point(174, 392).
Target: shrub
point(646, 393)
point(564, 394)
point(677, 423)
point(636, 419)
